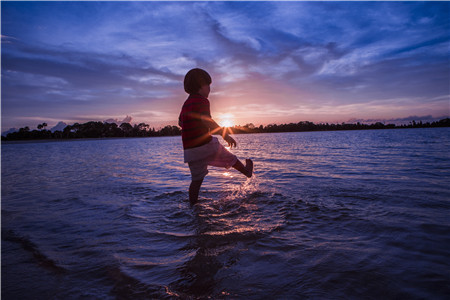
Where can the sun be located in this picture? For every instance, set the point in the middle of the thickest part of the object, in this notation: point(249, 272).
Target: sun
point(227, 123)
point(226, 120)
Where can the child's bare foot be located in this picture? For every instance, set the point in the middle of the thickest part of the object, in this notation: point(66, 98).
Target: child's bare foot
point(249, 167)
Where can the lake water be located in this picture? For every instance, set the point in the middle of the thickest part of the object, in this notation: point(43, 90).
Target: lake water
point(328, 215)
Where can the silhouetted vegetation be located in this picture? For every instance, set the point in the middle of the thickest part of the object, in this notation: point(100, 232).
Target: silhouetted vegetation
point(92, 130)
point(109, 130)
point(310, 126)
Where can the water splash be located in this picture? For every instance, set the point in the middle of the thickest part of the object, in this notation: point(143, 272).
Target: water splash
point(250, 186)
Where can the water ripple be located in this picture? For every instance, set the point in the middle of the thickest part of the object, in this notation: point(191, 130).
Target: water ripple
point(359, 215)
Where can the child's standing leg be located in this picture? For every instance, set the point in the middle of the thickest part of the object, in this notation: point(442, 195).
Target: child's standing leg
point(199, 169)
point(194, 190)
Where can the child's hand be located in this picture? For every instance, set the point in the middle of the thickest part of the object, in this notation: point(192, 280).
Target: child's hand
point(231, 142)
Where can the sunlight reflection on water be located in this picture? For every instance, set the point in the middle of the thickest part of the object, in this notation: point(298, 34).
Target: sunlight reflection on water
point(228, 174)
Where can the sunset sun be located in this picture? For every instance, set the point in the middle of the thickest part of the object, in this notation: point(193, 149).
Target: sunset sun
point(226, 120)
point(227, 123)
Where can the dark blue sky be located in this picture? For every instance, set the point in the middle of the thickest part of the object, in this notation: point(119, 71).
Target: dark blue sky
point(271, 62)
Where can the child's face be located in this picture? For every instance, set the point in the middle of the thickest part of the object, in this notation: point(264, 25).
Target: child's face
point(204, 90)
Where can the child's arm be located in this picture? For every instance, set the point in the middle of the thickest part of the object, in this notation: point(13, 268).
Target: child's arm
point(231, 142)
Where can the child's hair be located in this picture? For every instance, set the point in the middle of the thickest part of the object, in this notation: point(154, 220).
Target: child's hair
point(195, 79)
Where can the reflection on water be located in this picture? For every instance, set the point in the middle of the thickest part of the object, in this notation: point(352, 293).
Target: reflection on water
point(360, 214)
point(224, 229)
point(228, 174)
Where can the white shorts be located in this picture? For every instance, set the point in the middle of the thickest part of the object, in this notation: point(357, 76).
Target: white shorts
point(211, 154)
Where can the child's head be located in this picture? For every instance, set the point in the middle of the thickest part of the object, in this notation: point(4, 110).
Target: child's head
point(195, 79)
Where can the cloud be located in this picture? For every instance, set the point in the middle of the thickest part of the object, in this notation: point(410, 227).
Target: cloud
point(314, 60)
point(60, 126)
point(11, 130)
point(127, 119)
point(69, 81)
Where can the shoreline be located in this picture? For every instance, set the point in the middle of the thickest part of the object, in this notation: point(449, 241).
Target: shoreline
point(71, 139)
point(29, 141)
point(98, 130)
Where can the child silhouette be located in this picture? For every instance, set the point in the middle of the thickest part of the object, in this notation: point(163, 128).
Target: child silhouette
point(200, 147)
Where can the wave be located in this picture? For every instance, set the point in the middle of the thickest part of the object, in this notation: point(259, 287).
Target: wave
point(28, 245)
point(128, 287)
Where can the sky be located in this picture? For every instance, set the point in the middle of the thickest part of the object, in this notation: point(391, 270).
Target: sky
point(270, 62)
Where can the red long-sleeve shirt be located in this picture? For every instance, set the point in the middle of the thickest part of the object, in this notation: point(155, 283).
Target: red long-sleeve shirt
point(194, 131)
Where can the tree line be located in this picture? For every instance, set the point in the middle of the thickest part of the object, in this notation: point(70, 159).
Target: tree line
point(310, 126)
point(92, 130)
point(107, 130)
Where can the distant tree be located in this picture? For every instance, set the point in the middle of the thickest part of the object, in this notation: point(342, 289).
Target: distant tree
point(111, 130)
point(58, 134)
point(41, 126)
point(126, 128)
point(170, 131)
point(92, 130)
point(141, 129)
point(442, 123)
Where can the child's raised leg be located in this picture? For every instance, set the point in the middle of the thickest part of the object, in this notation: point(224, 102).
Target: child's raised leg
point(247, 170)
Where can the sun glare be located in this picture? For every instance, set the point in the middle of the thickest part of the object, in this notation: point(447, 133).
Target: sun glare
point(227, 123)
point(226, 120)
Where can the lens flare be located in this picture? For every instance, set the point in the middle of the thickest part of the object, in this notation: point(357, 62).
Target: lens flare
point(226, 120)
point(227, 123)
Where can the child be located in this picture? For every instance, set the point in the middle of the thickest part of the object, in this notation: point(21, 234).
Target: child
point(200, 147)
